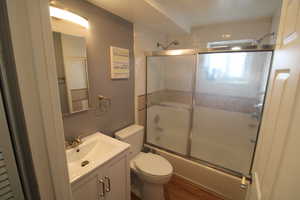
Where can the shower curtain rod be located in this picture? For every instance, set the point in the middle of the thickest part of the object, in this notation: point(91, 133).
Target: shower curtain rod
point(178, 52)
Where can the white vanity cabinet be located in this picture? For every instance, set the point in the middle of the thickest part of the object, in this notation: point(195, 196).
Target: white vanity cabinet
point(110, 181)
point(87, 188)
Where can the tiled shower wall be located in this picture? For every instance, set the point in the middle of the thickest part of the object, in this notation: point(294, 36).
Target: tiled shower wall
point(220, 102)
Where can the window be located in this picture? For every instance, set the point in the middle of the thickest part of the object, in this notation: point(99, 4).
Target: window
point(227, 66)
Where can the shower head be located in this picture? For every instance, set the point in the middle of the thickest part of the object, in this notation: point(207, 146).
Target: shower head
point(159, 45)
point(174, 42)
point(260, 40)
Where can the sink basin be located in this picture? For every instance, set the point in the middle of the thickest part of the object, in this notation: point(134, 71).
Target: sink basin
point(95, 150)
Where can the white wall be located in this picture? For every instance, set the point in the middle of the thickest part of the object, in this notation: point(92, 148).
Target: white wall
point(144, 40)
point(179, 72)
point(156, 74)
point(171, 72)
point(250, 29)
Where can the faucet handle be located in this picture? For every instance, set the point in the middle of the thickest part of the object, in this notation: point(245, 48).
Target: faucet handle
point(68, 144)
point(78, 139)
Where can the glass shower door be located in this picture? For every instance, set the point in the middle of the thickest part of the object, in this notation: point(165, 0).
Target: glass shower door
point(229, 96)
point(169, 101)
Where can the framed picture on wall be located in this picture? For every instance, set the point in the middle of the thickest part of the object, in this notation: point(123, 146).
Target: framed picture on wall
point(119, 59)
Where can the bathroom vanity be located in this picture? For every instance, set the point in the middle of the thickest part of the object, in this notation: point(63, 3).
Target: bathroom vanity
point(99, 169)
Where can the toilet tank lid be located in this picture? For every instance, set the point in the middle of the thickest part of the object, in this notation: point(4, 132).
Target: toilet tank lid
point(128, 131)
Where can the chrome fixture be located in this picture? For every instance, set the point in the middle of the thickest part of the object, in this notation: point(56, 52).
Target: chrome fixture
point(257, 113)
point(181, 52)
point(160, 45)
point(260, 40)
point(259, 105)
point(103, 186)
point(103, 105)
point(102, 194)
point(244, 183)
point(73, 143)
point(108, 189)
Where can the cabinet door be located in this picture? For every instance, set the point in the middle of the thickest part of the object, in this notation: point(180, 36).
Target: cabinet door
point(87, 189)
point(276, 164)
point(117, 180)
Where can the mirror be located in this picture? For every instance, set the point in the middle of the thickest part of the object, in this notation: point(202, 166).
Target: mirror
point(72, 72)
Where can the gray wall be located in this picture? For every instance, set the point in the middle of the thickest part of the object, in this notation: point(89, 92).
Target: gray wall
point(105, 30)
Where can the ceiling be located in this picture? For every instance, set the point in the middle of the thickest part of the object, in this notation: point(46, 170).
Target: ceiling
point(179, 16)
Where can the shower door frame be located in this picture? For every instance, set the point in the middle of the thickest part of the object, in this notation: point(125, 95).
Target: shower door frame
point(196, 53)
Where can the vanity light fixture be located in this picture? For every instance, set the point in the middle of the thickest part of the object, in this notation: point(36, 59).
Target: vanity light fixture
point(226, 36)
point(69, 16)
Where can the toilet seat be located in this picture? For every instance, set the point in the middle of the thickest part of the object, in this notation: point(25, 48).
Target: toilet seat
point(152, 165)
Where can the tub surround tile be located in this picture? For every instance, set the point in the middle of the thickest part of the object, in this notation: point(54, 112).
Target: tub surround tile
point(228, 103)
point(142, 117)
point(216, 101)
point(141, 110)
point(141, 102)
point(177, 96)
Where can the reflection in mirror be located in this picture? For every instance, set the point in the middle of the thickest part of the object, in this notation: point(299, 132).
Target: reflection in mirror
point(71, 63)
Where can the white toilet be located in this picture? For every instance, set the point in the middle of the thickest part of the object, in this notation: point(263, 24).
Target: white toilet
point(153, 171)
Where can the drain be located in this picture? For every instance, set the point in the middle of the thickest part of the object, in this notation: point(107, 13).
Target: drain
point(84, 163)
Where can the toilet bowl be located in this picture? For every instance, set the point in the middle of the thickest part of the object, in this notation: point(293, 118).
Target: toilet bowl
point(153, 171)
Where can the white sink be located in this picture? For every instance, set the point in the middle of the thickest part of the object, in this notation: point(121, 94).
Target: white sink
point(97, 149)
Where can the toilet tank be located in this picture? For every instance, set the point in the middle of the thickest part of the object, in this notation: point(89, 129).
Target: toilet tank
point(133, 135)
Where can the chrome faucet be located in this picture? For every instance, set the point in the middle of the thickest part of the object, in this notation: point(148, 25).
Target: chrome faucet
point(73, 143)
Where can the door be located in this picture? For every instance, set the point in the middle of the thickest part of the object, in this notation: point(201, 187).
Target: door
point(276, 167)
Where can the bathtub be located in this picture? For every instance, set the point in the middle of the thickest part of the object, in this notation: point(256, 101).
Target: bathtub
point(168, 126)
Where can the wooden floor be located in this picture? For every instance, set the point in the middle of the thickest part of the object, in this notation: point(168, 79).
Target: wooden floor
point(181, 189)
